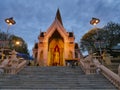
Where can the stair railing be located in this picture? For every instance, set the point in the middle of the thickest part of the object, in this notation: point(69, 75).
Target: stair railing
point(14, 70)
point(82, 65)
point(21, 66)
point(110, 75)
point(87, 65)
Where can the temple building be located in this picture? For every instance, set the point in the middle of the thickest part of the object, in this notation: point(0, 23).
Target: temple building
point(56, 45)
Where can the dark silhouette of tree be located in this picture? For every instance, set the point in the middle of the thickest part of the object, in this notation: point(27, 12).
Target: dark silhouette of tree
point(106, 37)
point(112, 34)
point(21, 47)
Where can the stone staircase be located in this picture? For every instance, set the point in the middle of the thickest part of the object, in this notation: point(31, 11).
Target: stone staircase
point(57, 78)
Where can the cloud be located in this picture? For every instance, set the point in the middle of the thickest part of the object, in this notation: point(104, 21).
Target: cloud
point(33, 15)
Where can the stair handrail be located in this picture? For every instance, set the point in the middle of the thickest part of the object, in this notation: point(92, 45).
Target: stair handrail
point(110, 75)
point(82, 65)
point(20, 66)
point(87, 66)
point(15, 70)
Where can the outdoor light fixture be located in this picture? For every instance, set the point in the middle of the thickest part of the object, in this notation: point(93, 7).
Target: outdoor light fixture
point(10, 21)
point(94, 21)
point(17, 43)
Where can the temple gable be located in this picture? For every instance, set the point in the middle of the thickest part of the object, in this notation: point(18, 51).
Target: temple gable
point(55, 45)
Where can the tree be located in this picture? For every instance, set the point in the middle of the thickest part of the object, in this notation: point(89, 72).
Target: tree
point(89, 39)
point(107, 37)
point(22, 47)
point(18, 44)
point(112, 34)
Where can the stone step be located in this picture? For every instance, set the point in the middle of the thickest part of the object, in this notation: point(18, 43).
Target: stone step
point(49, 78)
point(58, 87)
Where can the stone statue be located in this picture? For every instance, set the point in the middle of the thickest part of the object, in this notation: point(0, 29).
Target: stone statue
point(56, 57)
point(14, 60)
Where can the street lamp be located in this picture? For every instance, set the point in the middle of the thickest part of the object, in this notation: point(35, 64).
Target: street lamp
point(10, 21)
point(95, 21)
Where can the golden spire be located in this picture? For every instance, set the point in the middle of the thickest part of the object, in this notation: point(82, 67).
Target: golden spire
point(58, 16)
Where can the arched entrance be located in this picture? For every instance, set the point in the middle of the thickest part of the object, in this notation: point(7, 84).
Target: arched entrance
point(55, 50)
point(56, 53)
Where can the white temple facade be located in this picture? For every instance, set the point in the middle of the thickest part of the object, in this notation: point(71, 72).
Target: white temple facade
point(55, 45)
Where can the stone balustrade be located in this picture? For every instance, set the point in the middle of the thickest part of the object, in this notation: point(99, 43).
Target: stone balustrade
point(87, 66)
point(13, 70)
point(113, 77)
point(119, 70)
point(21, 66)
point(12, 64)
point(90, 66)
point(82, 65)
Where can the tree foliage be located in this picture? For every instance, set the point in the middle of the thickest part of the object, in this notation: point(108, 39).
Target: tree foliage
point(22, 47)
point(112, 34)
point(106, 37)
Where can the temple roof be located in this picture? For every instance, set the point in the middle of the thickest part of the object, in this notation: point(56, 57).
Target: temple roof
point(71, 34)
point(76, 46)
point(41, 34)
point(57, 25)
point(36, 46)
point(58, 16)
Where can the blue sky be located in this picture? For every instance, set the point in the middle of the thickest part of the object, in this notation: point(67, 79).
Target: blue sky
point(31, 16)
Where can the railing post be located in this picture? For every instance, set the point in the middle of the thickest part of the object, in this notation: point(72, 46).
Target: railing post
point(119, 70)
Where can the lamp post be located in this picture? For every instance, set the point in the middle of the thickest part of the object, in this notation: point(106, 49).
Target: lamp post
point(95, 21)
point(9, 21)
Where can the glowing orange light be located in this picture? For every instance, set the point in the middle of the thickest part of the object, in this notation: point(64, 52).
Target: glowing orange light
point(17, 43)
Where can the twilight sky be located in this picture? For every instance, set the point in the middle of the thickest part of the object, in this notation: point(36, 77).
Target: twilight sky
point(31, 16)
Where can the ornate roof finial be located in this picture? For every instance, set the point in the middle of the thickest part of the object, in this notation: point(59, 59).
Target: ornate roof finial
point(58, 16)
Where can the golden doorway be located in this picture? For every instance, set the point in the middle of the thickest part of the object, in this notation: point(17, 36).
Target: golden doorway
point(56, 53)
